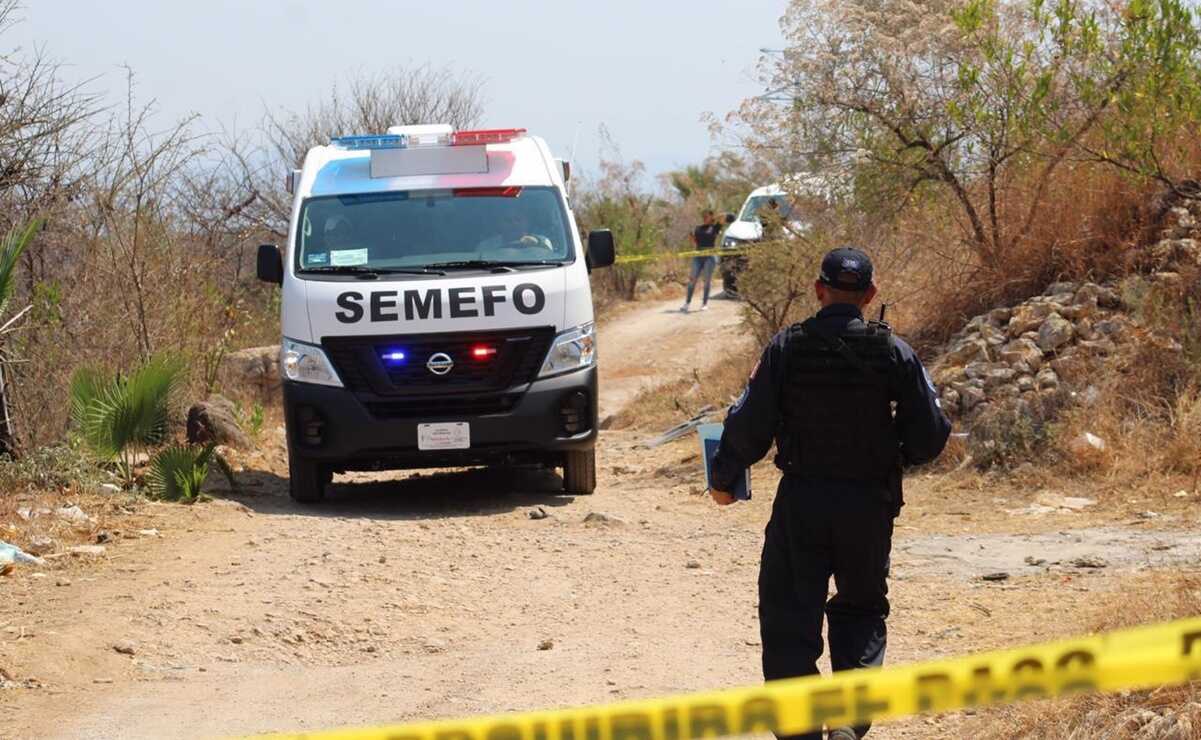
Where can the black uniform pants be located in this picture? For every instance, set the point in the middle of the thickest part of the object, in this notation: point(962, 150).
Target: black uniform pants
point(818, 531)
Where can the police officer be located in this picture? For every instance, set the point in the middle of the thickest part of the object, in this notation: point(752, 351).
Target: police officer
point(848, 404)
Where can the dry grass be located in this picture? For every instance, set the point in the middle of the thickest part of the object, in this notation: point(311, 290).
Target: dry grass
point(666, 405)
point(1126, 716)
point(1090, 226)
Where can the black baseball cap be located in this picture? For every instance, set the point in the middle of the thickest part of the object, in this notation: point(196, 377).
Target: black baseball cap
point(847, 268)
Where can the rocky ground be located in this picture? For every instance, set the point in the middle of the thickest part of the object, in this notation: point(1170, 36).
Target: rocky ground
point(439, 594)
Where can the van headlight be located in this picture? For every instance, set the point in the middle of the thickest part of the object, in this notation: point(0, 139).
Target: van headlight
point(572, 350)
point(306, 363)
point(730, 242)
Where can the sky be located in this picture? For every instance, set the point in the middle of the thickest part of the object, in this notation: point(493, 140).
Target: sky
point(648, 70)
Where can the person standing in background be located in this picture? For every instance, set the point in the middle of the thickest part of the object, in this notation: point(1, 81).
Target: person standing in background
point(703, 237)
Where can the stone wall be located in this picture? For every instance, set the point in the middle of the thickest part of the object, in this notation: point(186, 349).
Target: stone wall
point(1011, 357)
point(1026, 350)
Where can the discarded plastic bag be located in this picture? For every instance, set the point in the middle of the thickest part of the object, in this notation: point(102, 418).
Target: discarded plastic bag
point(10, 554)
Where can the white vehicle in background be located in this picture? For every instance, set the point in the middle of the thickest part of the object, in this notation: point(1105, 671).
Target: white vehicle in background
point(747, 227)
point(436, 308)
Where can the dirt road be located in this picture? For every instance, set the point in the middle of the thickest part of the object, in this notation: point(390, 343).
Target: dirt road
point(439, 595)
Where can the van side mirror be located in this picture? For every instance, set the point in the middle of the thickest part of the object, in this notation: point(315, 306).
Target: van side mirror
point(270, 264)
point(601, 251)
point(565, 169)
point(730, 218)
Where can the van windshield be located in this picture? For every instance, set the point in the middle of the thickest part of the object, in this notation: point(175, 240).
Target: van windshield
point(750, 211)
point(417, 228)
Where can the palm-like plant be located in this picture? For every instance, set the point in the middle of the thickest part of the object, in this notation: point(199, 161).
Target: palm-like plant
point(12, 246)
point(119, 416)
point(177, 472)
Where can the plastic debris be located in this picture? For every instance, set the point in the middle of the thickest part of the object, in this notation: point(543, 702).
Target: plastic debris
point(10, 554)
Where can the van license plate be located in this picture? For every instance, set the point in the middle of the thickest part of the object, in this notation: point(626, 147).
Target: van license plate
point(454, 435)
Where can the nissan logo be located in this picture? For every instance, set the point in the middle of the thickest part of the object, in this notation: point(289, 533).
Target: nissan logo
point(440, 363)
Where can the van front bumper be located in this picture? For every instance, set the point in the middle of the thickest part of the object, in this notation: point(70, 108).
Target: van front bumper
point(353, 431)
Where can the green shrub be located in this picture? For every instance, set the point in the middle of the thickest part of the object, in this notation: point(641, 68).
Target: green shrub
point(53, 468)
point(177, 472)
point(118, 416)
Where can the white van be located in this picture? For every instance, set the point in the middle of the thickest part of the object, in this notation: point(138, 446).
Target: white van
point(747, 227)
point(436, 308)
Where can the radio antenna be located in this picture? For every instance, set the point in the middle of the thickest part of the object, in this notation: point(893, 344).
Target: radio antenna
point(575, 139)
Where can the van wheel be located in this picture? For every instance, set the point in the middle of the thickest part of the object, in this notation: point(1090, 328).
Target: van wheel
point(307, 480)
point(579, 472)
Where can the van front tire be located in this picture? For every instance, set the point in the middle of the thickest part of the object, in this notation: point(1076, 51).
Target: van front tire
point(579, 472)
point(307, 480)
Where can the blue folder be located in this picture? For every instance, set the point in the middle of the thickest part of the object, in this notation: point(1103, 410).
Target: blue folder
point(710, 435)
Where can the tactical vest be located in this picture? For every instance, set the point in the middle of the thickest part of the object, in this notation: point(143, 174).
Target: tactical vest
point(838, 403)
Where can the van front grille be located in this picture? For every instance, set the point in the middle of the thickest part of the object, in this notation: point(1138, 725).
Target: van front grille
point(479, 361)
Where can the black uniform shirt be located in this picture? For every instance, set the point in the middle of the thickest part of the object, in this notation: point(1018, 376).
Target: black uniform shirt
point(706, 235)
point(755, 421)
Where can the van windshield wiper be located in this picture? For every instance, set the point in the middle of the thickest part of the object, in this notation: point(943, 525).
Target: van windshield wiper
point(467, 264)
point(371, 271)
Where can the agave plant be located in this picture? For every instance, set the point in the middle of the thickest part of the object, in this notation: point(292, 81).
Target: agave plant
point(178, 471)
point(120, 416)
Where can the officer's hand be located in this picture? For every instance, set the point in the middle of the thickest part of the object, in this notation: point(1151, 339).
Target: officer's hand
point(721, 498)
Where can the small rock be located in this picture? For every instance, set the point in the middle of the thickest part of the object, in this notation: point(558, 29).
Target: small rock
point(546, 644)
point(998, 576)
point(607, 422)
point(971, 397)
point(1027, 317)
point(237, 639)
point(999, 316)
point(1031, 560)
point(1089, 561)
point(215, 420)
point(1047, 379)
point(1055, 332)
point(598, 518)
point(1055, 289)
point(1026, 384)
point(62, 582)
point(103, 536)
point(149, 533)
point(692, 565)
point(538, 513)
point(126, 647)
point(102, 680)
point(999, 376)
point(40, 545)
point(967, 351)
point(110, 488)
point(383, 559)
point(1181, 494)
point(93, 550)
point(1148, 515)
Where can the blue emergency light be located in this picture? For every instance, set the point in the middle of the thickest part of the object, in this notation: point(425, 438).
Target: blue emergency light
point(370, 141)
point(393, 357)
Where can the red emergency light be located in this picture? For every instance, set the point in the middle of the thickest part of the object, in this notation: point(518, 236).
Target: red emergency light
point(485, 136)
point(511, 191)
point(480, 352)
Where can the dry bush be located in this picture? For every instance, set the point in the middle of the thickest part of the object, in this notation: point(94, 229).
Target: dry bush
point(663, 406)
point(1146, 401)
point(1091, 227)
point(1114, 716)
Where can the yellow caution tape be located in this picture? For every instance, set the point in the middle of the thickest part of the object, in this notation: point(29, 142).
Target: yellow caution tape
point(631, 258)
point(1128, 659)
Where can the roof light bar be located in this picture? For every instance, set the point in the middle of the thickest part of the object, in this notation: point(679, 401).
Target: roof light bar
point(485, 136)
point(370, 141)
